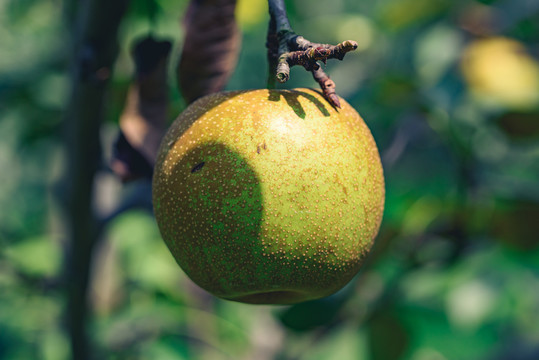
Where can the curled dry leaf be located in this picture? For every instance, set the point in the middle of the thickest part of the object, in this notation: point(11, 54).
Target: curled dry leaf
point(211, 48)
point(143, 120)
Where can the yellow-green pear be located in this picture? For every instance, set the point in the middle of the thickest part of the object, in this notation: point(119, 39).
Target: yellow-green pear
point(269, 196)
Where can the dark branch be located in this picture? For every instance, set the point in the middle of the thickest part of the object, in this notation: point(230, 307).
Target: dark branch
point(94, 44)
point(277, 12)
point(272, 44)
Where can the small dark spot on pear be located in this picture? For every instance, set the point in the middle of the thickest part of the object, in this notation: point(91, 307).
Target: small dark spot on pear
point(260, 147)
point(197, 167)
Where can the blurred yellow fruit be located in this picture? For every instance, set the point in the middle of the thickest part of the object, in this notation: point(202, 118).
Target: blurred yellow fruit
point(499, 70)
point(251, 12)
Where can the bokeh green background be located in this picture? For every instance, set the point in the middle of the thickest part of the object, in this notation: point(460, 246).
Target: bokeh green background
point(450, 90)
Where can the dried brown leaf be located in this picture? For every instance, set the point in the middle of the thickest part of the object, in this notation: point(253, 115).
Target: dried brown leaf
point(211, 48)
point(144, 117)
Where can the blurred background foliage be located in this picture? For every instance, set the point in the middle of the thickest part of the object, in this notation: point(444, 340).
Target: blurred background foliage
point(450, 90)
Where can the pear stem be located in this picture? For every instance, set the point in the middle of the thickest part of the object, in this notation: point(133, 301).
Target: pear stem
point(287, 49)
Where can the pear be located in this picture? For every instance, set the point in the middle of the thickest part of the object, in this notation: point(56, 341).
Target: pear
point(269, 196)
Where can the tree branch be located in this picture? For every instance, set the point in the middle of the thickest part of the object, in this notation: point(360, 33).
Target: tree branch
point(94, 47)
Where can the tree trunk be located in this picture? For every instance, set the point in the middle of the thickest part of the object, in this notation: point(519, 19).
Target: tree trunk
point(94, 48)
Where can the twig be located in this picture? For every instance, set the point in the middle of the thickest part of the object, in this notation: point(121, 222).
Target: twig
point(327, 85)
